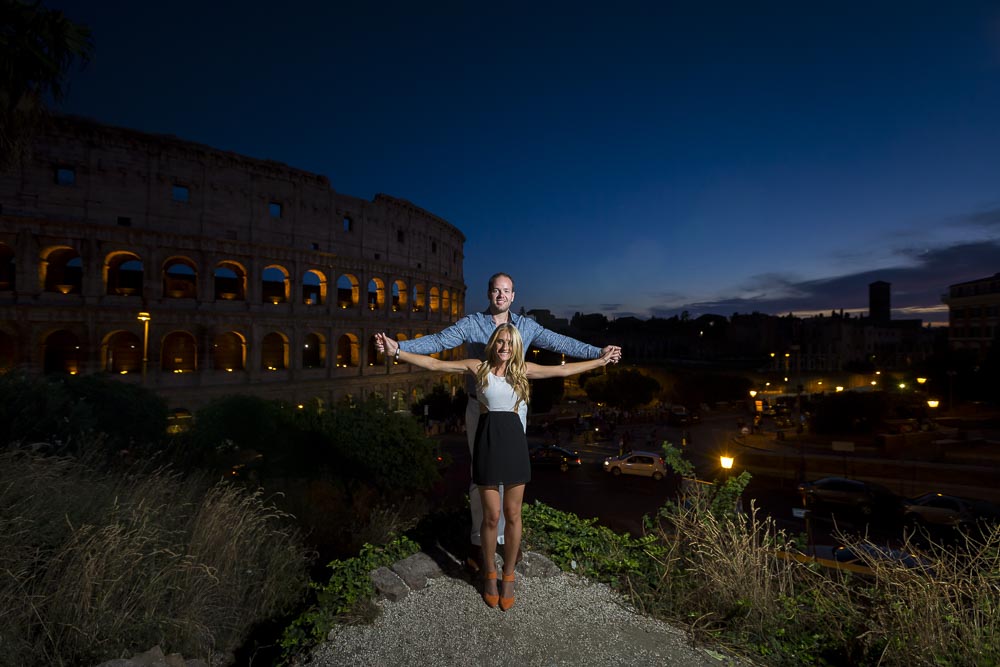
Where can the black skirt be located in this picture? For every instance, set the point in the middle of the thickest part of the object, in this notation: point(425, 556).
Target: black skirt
point(500, 452)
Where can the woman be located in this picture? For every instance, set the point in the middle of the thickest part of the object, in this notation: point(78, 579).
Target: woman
point(500, 453)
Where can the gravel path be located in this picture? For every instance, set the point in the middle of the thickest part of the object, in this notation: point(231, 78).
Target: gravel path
point(557, 620)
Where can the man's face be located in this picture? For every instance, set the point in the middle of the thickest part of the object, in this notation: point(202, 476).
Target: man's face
point(501, 294)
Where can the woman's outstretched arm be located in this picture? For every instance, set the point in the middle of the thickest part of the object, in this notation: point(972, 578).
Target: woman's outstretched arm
point(538, 372)
point(422, 360)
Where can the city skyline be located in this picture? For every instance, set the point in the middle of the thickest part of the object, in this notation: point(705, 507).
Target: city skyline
point(644, 161)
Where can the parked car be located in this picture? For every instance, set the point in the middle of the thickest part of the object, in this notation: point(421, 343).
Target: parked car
point(851, 494)
point(868, 554)
point(644, 464)
point(941, 510)
point(557, 457)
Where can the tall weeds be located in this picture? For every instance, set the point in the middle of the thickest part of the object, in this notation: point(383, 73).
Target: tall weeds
point(96, 566)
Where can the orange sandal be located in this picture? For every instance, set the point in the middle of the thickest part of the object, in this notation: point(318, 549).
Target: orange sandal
point(490, 599)
point(507, 603)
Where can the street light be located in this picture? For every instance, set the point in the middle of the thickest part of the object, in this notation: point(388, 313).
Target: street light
point(726, 462)
point(933, 402)
point(144, 318)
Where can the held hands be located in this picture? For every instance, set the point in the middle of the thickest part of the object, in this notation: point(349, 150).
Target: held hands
point(611, 354)
point(385, 344)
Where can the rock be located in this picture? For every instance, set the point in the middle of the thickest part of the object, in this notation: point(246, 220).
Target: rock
point(537, 565)
point(388, 585)
point(417, 569)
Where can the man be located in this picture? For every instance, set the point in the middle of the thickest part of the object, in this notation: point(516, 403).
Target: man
point(475, 330)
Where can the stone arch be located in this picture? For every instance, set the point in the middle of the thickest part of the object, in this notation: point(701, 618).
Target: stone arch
point(419, 298)
point(274, 352)
point(398, 296)
point(347, 291)
point(347, 351)
point(314, 351)
point(61, 270)
point(229, 352)
point(121, 353)
point(61, 353)
point(372, 355)
point(123, 272)
point(435, 300)
point(230, 281)
point(180, 278)
point(445, 302)
point(376, 294)
point(179, 353)
point(275, 284)
point(8, 268)
point(314, 288)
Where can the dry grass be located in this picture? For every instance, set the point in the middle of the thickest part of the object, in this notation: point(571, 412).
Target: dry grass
point(725, 576)
point(96, 567)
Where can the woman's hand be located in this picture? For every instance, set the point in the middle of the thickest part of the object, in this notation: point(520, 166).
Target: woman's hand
point(611, 355)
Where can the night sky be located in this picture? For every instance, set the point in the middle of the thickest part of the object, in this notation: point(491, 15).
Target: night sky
point(625, 158)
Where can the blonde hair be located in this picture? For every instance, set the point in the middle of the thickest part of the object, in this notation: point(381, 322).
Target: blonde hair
point(516, 376)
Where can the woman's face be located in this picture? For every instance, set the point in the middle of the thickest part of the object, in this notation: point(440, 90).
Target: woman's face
point(504, 346)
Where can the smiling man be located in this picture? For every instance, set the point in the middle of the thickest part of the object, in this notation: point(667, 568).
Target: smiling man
point(474, 330)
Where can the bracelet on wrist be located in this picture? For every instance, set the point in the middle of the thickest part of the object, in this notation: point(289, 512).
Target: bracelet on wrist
point(395, 357)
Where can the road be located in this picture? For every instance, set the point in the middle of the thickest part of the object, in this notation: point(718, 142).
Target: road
point(621, 502)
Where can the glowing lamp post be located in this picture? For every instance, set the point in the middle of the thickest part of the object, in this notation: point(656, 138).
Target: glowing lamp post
point(726, 462)
point(144, 318)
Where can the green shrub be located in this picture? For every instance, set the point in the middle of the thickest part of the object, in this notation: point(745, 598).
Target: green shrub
point(344, 596)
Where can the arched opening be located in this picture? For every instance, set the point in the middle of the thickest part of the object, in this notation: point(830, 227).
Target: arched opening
point(179, 353)
point(347, 351)
point(445, 302)
point(435, 300)
point(179, 420)
point(418, 299)
point(314, 351)
point(62, 270)
point(230, 282)
point(372, 355)
point(455, 305)
point(123, 274)
point(180, 278)
point(314, 288)
point(398, 296)
point(376, 294)
point(61, 353)
point(347, 291)
point(274, 285)
point(8, 268)
point(229, 352)
point(274, 352)
point(121, 353)
point(398, 400)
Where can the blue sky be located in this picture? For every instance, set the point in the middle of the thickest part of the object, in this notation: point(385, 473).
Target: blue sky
point(629, 158)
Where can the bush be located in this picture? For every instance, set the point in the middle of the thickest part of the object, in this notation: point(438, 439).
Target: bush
point(96, 567)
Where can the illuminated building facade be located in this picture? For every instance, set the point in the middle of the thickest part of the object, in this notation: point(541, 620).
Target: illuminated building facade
point(252, 276)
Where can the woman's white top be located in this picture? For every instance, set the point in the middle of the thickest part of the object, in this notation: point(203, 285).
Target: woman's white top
point(499, 396)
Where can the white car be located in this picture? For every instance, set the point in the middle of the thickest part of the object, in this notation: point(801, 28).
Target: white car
point(644, 464)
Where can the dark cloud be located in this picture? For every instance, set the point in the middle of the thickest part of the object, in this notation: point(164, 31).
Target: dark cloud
point(986, 218)
point(917, 288)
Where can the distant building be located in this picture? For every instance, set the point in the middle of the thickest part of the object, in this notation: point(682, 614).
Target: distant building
point(252, 276)
point(879, 308)
point(974, 314)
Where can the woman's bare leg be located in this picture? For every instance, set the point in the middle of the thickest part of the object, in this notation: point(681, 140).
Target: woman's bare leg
point(512, 498)
point(490, 496)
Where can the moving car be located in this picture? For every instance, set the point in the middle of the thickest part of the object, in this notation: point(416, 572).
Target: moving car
point(850, 494)
point(643, 464)
point(941, 510)
point(554, 456)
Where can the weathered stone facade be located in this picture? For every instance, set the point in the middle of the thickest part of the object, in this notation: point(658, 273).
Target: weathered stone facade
point(256, 277)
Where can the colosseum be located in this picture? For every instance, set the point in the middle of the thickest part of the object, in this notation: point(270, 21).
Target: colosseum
point(199, 272)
